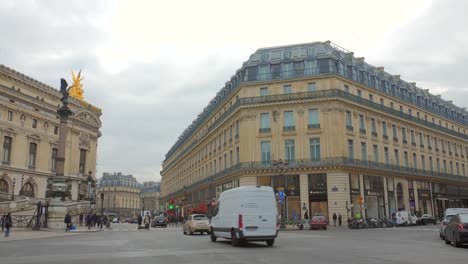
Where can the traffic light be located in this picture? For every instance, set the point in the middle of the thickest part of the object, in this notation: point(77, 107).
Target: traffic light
point(171, 207)
point(360, 200)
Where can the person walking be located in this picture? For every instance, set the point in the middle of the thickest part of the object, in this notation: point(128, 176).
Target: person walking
point(339, 220)
point(147, 221)
point(67, 221)
point(334, 219)
point(140, 220)
point(81, 218)
point(306, 217)
point(89, 221)
point(8, 224)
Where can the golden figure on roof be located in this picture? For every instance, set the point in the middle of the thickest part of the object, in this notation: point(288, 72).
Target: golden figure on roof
point(76, 90)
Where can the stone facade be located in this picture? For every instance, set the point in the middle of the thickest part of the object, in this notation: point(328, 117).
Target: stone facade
point(118, 194)
point(331, 130)
point(29, 128)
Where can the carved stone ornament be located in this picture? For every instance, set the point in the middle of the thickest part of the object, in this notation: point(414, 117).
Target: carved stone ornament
point(88, 118)
point(46, 126)
point(300, 112)
point(22, 119)
point(85, 138)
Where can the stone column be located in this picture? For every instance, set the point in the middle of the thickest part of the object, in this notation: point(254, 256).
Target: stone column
point(338, 194)
point(248, 181)
point(304, 187)
point(416, 198)
point(386, 201)
point(361, 189)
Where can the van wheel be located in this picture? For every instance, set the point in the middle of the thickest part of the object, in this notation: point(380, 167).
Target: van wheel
point(212, 236)
point(190, 231)
point(183, 229)
point(270, 242)
point(234, 240)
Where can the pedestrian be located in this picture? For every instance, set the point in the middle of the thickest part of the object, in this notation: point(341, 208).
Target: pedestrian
point(67, 221)
point(100, 220)
point(334, 219)
point(8, 224)
point(140, 220)
point(89, 221)
point(95, 219)
point(81, 218)
point(306, 217)
point(147, 221)
point(339, 219)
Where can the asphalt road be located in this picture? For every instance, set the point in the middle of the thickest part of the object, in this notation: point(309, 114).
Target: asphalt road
point(124, 244)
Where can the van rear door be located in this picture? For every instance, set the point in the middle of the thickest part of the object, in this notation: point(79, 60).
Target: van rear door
point(259, 215)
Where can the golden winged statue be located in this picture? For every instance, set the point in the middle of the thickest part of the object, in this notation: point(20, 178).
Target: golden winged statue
point(76, 90)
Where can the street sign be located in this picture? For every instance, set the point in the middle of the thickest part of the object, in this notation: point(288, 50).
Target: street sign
point(281, 195)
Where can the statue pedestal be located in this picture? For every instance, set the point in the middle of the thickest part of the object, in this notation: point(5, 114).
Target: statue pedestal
point(58, 210)
point(59, 206)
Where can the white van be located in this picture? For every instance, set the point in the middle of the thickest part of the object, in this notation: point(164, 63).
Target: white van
point(406, 218)
point(246, 214)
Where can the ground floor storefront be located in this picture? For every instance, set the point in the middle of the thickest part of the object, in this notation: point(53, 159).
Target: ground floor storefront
point(340, 193)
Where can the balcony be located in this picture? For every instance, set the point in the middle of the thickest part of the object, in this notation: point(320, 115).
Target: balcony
point(443, 151)
point(362, 131)
point(237, 136)
point(230, 140)
point(289, 128)
point(413, 143)
point(314, 126)
point(405, 141)
point(374, 134)
point(421, 146)
point(32, 167)
point(429, 147)
point(450, 152)
point(350, 128)
point(265, 130)
point(6, 162)
point(437, 149)
point(385, 137)
point(395, 139)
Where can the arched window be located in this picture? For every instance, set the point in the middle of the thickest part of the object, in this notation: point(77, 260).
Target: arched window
point(28, 190)
point(3, 186)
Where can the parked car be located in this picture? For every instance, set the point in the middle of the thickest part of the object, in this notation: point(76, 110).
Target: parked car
point(318, 222)
point(426, 219)
point(405, 218)
point(456, 230)
point(159, 221)
point(196, 223)
point(448, 215)
point(246, 213)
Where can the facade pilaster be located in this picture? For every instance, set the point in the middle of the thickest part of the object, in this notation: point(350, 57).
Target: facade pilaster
point(338, 194)
point(304, 186)
point(361, 184)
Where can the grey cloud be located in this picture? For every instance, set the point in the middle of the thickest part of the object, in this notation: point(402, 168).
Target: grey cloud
point(432, 50)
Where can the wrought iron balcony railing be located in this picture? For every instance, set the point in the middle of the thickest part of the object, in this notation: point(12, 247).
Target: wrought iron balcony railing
point(265, 130)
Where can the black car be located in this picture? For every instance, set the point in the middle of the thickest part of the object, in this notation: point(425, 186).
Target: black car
point(456, 230)
point(160, 221)
point(426, 219)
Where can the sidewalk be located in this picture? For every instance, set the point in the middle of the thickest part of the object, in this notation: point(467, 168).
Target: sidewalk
point(307, 227)
point(25, 234)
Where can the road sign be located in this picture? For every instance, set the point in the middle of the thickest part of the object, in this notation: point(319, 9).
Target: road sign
point(281, 195)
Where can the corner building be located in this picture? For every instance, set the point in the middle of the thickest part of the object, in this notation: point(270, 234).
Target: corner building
point(330, 130)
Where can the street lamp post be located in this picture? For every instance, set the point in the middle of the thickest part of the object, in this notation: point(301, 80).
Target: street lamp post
point(13, 191)
point(22, 180)
point(102, 203)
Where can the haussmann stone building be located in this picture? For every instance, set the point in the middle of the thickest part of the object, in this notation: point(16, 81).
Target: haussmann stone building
point(327, 128)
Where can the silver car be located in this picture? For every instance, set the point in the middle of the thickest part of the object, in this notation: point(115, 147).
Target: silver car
point(448, 215)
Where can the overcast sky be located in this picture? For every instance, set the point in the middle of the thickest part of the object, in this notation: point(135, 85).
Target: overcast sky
point(152, 66)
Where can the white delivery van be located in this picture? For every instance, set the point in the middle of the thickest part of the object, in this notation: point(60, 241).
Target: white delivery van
point(246, 214)
point(406, 218)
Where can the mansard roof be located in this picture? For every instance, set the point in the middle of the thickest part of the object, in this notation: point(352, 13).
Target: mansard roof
point(307, 52)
